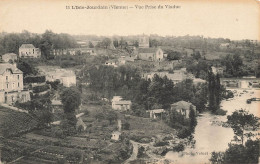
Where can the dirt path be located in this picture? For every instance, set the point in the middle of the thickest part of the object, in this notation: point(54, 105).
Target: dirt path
point(134, 153)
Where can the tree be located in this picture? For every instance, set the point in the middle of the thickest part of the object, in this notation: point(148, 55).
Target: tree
point(71, 99)
point(237, 153)
point(241, 119)
point(106, 42)
point(112, 116)
point(90, 44)
point(193, 120)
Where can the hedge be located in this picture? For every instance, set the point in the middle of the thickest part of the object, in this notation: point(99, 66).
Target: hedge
point(34, 79)
point(42, 88)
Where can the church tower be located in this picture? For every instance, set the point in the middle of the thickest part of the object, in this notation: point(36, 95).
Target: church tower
point(144, 42)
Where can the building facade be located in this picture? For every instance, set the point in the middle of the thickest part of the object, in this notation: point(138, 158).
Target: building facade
point(11, 84)
point(119, 104)
point(29, 51)
point(150, 54)
point(183, 108)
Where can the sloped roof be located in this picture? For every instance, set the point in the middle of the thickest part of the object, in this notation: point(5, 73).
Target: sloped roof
point(5, 66)
point(9, 54)
point(122, 102)
point(147, 50)
point(183, 105)
point(27, 46)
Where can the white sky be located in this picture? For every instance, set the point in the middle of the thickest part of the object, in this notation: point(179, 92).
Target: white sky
point(234, 20)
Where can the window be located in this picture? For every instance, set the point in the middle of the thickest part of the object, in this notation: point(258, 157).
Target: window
point(18, 84)
point(7, 86)
point(18, 77)
point(6, 78)
point(33, 51)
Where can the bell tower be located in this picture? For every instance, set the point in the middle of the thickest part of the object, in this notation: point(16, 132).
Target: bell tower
point(144, 42)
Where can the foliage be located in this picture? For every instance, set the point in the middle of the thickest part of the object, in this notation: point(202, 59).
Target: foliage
point(41, 88)
point(193, 120)
point(111, 116)
point(173, 55)
point(54, 84)
point(184, 133)
point(71, 99)
point(179, 147)
point(241, 119)
point(26, 67)
point(34, 79)
point(74, 156)
point(141, 152)
point(238, 153)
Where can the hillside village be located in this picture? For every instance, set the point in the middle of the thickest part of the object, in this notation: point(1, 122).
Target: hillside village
point(89, 99)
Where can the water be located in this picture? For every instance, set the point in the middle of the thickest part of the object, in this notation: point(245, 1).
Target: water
point(210, 137)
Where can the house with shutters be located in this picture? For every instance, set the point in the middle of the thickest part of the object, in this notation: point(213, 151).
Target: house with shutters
point(29, 51)
point(11, 84)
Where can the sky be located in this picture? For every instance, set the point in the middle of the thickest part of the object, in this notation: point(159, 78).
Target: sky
point(235, 19)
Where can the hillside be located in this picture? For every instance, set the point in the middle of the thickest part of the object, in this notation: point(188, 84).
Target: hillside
point(13, 122)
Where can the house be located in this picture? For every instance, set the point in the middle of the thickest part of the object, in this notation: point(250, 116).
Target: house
point(119, 104)
point(150, 54)
point(56, 105)
point(11, 84)
point(177, 75)
point(9, 57)
point(156, 113)
point(29, 51)
point(80, 125)
point(115, 135)
point(183, 107)
point(66, 77)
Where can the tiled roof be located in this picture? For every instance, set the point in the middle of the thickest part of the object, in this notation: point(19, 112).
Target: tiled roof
point(183, 105)
point(5, 66)
point(27, 46)
point(122, 102)
point(10, 54)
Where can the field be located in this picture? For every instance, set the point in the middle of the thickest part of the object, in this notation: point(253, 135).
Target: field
point(13, 122)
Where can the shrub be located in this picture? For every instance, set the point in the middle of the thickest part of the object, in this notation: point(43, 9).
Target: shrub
point(179, 147)
point(34, 79)
point(140, 152)
point(42, 88)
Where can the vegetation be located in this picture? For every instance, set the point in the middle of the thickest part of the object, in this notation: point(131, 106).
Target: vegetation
point(240, 120)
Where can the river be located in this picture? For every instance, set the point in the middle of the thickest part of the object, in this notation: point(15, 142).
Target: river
point(210, 137)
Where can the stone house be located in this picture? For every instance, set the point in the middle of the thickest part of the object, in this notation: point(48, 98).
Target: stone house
point(119, 104)
point(11, 84)
point(29, 51)
point(150, 54)
point(183, 108)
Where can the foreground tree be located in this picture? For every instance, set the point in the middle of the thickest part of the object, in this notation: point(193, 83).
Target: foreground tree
point(237, 153)
point(239, 121)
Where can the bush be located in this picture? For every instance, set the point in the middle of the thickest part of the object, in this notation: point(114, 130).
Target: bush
point(34, 79)
point(220, 112)
point(42, 88)
point(140, 152)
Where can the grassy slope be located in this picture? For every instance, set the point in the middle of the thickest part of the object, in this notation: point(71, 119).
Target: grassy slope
point(12, 122)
